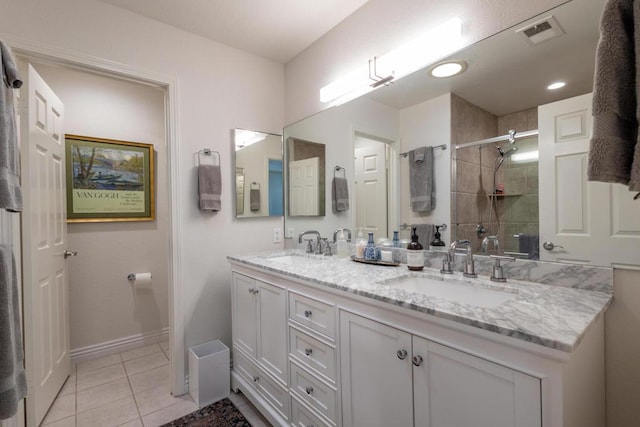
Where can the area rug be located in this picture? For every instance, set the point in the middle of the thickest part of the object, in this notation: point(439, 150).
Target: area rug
point(220, 414)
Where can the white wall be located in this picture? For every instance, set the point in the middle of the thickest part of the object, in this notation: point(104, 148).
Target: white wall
point(428, 123)
point(219, 89)
point(103, 304)
point(382, 25)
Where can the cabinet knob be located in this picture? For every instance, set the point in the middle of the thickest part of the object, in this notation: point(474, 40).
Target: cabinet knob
point(417, 360)
point(402, 354)
point(307, 313)
point(309, 389)
point(308, 351)
point(255, 379)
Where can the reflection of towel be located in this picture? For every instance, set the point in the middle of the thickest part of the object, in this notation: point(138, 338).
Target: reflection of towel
point(421, 179)
point(425, 234)
point(13, 384)
point(529, 244)
point(614, 153)
point(10, 192)
point(209, 187)
point(340, 194)
point(254, 199)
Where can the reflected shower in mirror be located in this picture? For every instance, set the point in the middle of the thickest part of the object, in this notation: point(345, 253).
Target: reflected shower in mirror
point(259, 184)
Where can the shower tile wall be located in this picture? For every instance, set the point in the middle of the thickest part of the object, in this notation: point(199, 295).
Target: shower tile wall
point(474, 169)
point(521, 183)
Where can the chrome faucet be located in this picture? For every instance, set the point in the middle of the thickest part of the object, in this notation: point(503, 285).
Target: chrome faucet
point(318, 237)
point(469, 265)
point(345, 230)
point(485, 244)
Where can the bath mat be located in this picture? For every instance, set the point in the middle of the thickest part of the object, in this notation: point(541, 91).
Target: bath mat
point(220, 414)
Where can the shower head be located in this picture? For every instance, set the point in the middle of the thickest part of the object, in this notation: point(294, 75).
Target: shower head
point(507, 153)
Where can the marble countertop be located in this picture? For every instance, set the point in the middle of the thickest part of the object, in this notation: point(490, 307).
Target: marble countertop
point(552, 316)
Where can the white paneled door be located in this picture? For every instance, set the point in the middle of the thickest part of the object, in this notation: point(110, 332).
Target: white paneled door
point(303, 187)
point(371, 186)
point(44, 240)
point(581, 222)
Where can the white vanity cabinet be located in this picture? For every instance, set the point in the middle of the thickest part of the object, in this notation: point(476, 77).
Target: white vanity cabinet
point(259, 326)
point(391, 377)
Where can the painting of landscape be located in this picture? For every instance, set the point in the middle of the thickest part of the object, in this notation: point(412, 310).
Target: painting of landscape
point(107, 169)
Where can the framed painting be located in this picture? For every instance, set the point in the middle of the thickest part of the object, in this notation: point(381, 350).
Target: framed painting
point(108, 180)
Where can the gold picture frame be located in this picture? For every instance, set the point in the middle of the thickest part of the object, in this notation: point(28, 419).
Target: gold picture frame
point(109, 180)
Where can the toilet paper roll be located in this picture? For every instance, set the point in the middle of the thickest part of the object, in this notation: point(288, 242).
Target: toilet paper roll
point(142, 280)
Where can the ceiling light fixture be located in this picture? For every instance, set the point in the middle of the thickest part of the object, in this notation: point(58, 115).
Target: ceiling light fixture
point(556, 85)
point(427, 49)
point(245, 138)
point(448, 69)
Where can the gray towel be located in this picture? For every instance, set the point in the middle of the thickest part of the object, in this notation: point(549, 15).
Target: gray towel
point(254, 199)
point(614, 153)
point(10, 192)
point(421, 179)
point(425, 234)
point(209, 187)
point(13, 384)
point(530, 245)
point(340, 194)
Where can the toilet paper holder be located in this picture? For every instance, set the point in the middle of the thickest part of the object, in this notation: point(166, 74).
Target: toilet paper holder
point(131, 276)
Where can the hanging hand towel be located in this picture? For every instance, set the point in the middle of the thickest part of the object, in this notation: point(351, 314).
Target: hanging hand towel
point(614, 152)
point(10, 192)
point(254, 199)
point(421, 179)
point(340, 194)
point(209, 187)
point(13, 384)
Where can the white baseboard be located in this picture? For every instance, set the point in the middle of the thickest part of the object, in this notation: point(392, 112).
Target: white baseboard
point(116, 346)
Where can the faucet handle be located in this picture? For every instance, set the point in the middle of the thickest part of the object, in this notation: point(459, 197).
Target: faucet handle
point(497, 275)
point(309, 245)
point(327, 247)
point(446, 264)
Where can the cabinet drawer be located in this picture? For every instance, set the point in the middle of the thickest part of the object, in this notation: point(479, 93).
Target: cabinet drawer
point(315, 393)
point(304, 417)
point(273, 393)
point(314, 314)
point(312, 352)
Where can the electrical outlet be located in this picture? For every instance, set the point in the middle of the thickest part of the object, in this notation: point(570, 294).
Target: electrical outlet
point(277, 235)
point(290, 232)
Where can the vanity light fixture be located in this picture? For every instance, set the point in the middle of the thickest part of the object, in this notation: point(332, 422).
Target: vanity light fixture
point(524, 157)
point(556, 85)
point(448, 69)
point(436, 44)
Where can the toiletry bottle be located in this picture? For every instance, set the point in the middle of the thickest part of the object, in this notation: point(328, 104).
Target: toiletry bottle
point(360, 245)
point(415, 256)
point(396, 240)
point(436, 243)
point(370, 250)
point(343, 248)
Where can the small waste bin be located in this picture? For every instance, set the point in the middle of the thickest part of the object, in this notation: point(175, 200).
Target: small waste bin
point(209, 375)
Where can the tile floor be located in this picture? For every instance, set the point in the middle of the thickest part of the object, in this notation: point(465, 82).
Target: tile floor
point(127, 389)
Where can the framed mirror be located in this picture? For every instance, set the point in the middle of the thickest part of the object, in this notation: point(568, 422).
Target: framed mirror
point(259, 179)
point(504, 82)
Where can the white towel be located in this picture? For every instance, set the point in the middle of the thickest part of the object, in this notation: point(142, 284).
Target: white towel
point(13, 383)
point(10, 192)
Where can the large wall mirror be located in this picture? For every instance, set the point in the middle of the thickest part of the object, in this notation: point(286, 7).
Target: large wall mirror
point(486, 189)
point(259, 178)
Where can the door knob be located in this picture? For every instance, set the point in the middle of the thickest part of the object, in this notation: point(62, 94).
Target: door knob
point(67, 254)
point(551, 246)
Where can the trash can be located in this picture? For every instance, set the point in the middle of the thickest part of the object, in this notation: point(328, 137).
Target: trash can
point(209, 372)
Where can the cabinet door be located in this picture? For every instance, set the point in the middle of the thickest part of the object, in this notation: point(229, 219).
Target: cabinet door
point(376, 383)
point(244, 313)
point(272, 329)
point(452, 388)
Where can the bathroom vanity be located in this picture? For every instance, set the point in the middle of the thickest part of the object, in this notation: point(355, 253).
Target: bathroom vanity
point(322, 341)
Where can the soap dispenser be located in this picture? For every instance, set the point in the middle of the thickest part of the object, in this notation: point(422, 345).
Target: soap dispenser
point(415, 255)
point(343, 248)
point(436, 243)
point(360, 245)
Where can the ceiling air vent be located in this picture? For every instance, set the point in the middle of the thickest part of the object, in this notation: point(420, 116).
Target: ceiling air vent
point(541, 31)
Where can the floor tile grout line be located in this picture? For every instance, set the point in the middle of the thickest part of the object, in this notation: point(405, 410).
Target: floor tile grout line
point(135, 401)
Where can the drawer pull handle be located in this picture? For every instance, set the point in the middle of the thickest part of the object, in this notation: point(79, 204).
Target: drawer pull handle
point(307, 313)
point(308, 351)
point(402, 354)
point(309, 389)
point(255, 379)
point(417, 360)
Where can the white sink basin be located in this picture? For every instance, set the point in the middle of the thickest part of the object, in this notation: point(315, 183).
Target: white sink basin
point(293, 259)
point(458, 292)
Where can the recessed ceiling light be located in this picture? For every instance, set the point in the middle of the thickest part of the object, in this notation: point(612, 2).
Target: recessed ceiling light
point(556, 85)
point(448, 69)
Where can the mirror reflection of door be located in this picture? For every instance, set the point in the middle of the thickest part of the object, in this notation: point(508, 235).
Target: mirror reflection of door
point(303, 187)
point(371, 185)
point(239, 191)
point(275, 187)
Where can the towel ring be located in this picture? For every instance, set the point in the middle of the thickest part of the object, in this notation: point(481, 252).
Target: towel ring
point(255, 186)
point(337, 169)
point(209, 153)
